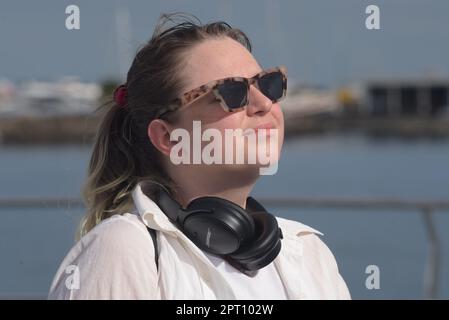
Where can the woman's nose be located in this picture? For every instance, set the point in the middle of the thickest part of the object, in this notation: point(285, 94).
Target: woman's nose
point(258, 102)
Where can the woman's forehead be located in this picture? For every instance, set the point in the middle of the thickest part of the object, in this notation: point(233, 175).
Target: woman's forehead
point(218, 59)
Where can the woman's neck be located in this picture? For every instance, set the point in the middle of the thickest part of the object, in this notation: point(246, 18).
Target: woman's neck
point(233, 186)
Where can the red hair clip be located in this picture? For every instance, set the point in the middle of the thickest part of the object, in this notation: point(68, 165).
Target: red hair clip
point(120, 95)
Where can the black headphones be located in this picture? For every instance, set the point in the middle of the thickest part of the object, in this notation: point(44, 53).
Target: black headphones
point(248, 239)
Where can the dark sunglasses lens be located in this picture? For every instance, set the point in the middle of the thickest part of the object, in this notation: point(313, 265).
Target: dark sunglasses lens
point(272, 85)
point(233, 93)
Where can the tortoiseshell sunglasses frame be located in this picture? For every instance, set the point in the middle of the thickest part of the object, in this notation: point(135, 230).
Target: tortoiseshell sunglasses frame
point(195, 94)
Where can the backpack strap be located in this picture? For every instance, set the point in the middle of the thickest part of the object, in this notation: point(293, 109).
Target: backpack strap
point(156, 253)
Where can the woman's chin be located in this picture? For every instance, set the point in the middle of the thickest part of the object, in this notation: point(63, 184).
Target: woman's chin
point(248, 170)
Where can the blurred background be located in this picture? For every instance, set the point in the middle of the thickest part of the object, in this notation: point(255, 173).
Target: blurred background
point(366, 155)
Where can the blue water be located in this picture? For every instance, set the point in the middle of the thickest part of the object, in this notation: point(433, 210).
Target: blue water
point(34, 241)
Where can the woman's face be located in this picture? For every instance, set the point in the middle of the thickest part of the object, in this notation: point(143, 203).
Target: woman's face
point(217, 59)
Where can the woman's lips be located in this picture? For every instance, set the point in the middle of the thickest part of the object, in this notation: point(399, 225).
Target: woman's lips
point(267, 126)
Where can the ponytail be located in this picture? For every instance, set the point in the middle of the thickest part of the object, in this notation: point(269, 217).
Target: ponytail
point(111, 168)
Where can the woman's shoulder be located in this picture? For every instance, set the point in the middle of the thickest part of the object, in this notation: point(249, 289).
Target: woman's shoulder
point(117, 229)
point(118, 247)
point(309, 243)
point(304, 243)
point(306, 238)
point(118, 235)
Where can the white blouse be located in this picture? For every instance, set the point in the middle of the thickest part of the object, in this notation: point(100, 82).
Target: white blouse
point(116, 260)
point(264, 285)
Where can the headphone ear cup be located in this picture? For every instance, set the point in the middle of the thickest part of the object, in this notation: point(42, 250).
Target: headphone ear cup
point(249, 240)
point(265, 246)
point(224, 215)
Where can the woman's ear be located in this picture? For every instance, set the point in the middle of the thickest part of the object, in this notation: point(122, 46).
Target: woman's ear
point(159, 134)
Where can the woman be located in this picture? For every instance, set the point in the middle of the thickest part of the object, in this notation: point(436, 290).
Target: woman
point(136, 242)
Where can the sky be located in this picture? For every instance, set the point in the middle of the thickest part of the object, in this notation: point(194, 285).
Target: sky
point(322, 43)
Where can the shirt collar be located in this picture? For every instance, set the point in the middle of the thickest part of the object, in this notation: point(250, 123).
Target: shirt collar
point(149, 211)
point(294, 227)
point(155, 218)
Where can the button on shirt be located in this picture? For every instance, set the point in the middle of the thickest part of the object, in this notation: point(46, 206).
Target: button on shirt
point(116, 260)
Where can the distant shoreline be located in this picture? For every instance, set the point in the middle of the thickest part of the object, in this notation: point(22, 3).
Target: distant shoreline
point(374, 127)
point(48, 130)
point(81, 129)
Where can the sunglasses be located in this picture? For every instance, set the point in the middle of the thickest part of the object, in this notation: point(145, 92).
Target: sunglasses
point(233, 92)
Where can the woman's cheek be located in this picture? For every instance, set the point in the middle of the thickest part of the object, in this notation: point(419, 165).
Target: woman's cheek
point(279, 118)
